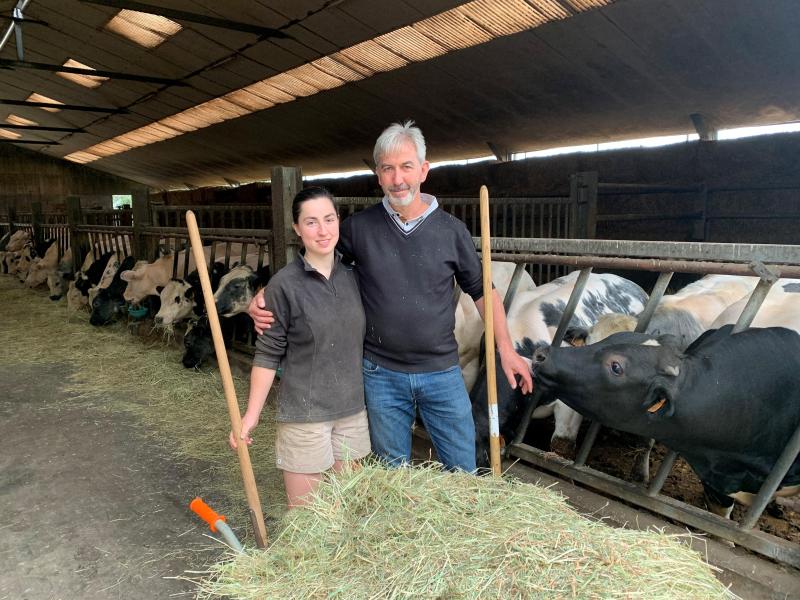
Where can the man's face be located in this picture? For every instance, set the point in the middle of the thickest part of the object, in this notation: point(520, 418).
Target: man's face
point(400, 174)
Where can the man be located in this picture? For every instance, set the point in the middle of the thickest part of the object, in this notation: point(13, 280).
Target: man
point(406, 251)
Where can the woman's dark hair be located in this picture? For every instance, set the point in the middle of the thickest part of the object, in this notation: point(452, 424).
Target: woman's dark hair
point(309, 194)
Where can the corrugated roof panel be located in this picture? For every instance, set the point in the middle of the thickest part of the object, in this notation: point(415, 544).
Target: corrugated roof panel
point(248, 100)
point(269, 92)
point(550, 9)
point(178, 122)
point(9, 135)
point(17, 120)
point(353, 65)
point(411, 44)
point(145, 29)
point(337, 69)
point(315, 77)
point(81, 157)
point(582, 5)
point(108, 148)
point(39, 98)
point(226, 108)
point(374, 56)
point(453, 30)
point(90, 81)
point(503, 17)
point(292, 85)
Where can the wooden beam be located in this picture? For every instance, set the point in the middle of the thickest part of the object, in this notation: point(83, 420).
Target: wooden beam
point(42, 128)
point(704, 130)
point(501, 154)
point(6, 63)
point(77, 107)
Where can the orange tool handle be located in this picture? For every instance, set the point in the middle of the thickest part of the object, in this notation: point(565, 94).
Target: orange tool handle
point(205, 512)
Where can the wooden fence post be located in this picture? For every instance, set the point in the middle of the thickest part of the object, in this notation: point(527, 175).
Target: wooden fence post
point(286, 182)
point(36, 221)
point(144, 246)
point(583, 196)
point(77, 241)
point(12, 216)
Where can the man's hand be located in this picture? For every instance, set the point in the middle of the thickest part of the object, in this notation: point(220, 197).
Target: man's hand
point(262, 318)
point(513, 364)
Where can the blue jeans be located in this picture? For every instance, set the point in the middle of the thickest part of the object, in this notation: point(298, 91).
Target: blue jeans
point(392, 398)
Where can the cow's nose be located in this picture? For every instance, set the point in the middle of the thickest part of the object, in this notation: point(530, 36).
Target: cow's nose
point(540, 355)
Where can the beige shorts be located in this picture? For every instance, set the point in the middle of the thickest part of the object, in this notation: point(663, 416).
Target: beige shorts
point(313, 447)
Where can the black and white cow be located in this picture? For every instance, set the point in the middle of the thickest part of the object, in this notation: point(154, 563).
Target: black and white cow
point(180, 299)
point(727, 404)
point(532, 322)
point(109, 303)
point(198, 344)
point(237, 288)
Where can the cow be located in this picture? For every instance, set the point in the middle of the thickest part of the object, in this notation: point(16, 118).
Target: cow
point(237, 288)
point(109, 303)
point(685, 314)
point(144, 280)
point(90, 275)
point(727, 404)
point(469, 324)
point(45, 267)
point(781, 308)
point(180, 299)
point(198, 344)
point(532, 322)
point(57, 279)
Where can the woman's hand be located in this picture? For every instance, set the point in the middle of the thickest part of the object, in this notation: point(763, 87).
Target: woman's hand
point(249, 423)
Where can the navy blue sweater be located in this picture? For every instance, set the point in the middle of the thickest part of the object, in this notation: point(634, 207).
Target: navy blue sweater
point(406, 283)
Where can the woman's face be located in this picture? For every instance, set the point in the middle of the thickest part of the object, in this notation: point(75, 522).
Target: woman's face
point(318, 226)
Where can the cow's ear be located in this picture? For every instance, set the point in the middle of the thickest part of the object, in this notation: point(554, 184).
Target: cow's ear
point(129, 276)
point(159, 288)
point(576, 336)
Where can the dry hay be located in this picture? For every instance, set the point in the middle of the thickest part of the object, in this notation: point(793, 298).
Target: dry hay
point(182, 410)
point(423, 533)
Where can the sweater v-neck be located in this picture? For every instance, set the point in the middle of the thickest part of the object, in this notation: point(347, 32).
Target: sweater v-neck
point(407, 234)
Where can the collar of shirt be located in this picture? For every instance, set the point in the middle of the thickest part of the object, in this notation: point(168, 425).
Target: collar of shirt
point(407, 226)
point(301, 256)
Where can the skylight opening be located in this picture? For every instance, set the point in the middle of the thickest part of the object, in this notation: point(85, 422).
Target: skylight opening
point(9, 135)
point(740, 132)
point(145, 29)
point(90, 81)
point(39, 98)
point(17, 120)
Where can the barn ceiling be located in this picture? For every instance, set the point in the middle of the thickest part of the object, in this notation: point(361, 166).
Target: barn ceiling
point(236, 87)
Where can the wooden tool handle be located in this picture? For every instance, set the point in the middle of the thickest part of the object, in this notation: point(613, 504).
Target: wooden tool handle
point(227, 381)
point(488, 318)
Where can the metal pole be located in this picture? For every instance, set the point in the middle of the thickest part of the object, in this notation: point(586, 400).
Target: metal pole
point(661, 476)
point(13, 25)
point(652, 303)
point(771, 483)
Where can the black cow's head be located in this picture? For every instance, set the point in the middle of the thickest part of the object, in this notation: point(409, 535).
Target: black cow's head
point(627, 381)
point(198, 344)
point(106, 306)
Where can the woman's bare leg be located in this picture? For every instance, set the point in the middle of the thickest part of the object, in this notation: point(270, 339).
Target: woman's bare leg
point(299, 485)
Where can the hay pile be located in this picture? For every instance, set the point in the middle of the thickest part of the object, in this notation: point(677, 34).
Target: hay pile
point(422, 533)
point(183, 411)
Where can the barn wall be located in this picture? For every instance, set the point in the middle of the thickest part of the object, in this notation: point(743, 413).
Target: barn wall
point(736, 173)
point(27, 177)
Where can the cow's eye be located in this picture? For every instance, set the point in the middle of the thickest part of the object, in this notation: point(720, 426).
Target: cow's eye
point(616, 368)
point(177, 299)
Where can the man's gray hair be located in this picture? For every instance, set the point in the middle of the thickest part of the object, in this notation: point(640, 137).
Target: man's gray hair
point(394, 136)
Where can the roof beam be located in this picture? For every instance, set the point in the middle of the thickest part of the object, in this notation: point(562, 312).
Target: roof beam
point(704, 129)
point(78, 107)
point(29, 142)
point(42, 128)
point(36, 66)
point(182, 15)
point(501, 154)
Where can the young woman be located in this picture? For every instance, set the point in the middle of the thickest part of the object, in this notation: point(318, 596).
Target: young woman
point(317, 338)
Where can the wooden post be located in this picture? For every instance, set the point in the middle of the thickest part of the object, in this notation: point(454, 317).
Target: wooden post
point(36, 221)
point(583, 196)
point(12, 216)
point(77, 241)
point(144, 246)
point(286, 182)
